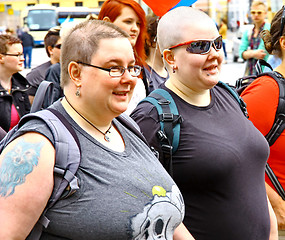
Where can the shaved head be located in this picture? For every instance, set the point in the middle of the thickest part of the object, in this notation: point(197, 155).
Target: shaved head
point(173, 25)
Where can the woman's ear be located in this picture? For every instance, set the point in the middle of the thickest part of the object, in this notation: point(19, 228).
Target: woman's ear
point(50, 49)
point(107, 19)
point(282, 43)
point(74, 70)
point(168, 56)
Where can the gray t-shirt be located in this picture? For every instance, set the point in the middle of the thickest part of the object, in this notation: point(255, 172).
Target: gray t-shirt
point(122, 195)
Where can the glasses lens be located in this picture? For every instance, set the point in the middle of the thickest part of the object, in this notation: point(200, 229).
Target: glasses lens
point(116, 71)
point(198, 47)
point(218, 43)
point(135, 70)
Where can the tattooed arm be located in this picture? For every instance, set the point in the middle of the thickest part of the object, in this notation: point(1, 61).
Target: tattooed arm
point(26, 183)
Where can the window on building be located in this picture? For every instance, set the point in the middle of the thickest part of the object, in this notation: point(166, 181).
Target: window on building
point(56, 4)
point(78, 4)
point(8, 6)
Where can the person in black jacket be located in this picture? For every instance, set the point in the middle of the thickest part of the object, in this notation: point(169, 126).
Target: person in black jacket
point(28, 44)
point(14, 100)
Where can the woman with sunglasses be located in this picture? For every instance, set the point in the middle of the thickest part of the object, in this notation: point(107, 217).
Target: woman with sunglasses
point(262, 97)
point(129, 16)
point(252, 47)
point(14, 100)
point(220, 160)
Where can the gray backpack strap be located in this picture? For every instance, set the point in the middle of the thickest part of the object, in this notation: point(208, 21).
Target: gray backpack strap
point(45, 89)
point(67, 161)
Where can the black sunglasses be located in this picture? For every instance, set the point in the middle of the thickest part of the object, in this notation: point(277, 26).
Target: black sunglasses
point(57, 46)
point(201, 46)
point(282, 21)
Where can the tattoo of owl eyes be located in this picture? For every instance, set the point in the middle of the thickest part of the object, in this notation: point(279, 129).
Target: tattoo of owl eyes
point(17, 164)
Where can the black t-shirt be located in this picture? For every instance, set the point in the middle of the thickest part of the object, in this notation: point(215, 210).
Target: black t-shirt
point(219, 167)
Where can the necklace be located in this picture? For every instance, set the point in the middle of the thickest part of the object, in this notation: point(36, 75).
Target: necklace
point(106, 138)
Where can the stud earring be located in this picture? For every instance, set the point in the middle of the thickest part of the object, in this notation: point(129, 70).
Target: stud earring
point(77, 93)
point(174, 69)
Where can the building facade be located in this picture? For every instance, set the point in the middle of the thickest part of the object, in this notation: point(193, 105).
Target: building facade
point(234, 11)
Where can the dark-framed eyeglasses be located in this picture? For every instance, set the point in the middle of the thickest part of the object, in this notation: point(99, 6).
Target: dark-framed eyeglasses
point(282, 22)
point(14, 54)
point(118, 71)
point(201, 46)
point(57, 46)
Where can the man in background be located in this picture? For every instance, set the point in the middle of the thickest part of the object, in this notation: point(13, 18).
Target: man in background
point(252, 47)
point(28, 44)
point(52, 42)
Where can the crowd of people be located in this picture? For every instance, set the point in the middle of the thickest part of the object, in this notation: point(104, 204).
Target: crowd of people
point(217, 188)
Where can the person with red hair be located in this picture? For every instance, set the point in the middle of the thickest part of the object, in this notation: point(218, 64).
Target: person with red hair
point(129, 16)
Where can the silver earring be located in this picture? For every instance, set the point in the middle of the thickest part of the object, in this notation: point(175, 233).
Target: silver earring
point(77, 94)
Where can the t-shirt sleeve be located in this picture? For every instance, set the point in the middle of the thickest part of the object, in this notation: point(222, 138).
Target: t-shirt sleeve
point(261, 98)
point(38, 126)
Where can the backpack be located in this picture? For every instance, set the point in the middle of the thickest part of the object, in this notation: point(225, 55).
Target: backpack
point(170, 120)
point(279, 121)
point(67, 149)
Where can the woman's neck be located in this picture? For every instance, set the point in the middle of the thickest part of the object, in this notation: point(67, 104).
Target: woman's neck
point(155, 62)
point(5, 80)
point(197, 98)
point(76, 112)
point(281, 68)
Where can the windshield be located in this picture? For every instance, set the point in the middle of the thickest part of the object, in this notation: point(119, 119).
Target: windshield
point(41, 19)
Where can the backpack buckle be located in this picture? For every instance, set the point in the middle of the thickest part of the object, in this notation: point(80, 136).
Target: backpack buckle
point(167, 117)
point(163, 102)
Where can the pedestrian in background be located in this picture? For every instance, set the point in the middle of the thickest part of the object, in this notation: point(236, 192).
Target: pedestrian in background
point(28, 44)
point(154, 71)
point(13, 86)
point(252, 47)
point(129, 16)
point(262, 98)
point(52, 42)
point(223, 32)
point(218, 168)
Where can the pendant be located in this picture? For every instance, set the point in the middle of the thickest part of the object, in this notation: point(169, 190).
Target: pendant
point(106, 138)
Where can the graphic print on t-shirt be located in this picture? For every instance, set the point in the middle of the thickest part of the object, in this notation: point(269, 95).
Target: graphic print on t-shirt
point(160, 216)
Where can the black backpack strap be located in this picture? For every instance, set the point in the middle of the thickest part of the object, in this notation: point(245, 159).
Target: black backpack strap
point(170, 120)
point(279, 122)
point(260, 64)
point(275, 181)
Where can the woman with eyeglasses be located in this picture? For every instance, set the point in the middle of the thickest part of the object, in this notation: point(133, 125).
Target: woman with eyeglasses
point(124, 192)
point(14, 100)
point(220, 160)
point(252, 47)
point(129, 16)
point(262, 98)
